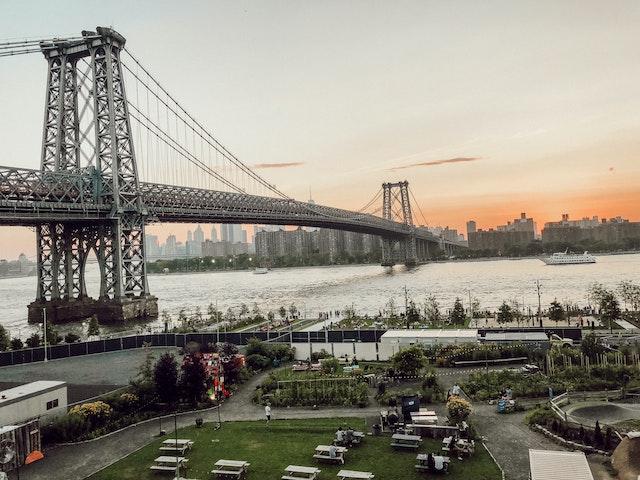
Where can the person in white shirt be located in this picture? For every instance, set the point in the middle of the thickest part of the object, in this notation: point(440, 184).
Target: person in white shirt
point(267, 412)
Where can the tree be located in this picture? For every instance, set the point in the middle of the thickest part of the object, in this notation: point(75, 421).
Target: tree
point(271, 316)
point(182, 318)
point(166, 320)
point(630, 293)
point(458, 316)
point(244, 310)
point(505, 313)
point(413, 315)
point(458, 408)
point(255, 311)
point(556, 312)
point(193, 379)
point(229, 316)
point(283, 312)
point(94, 328)
point(165, 378)
point(432, 310)
point(53, 338)
point(293, 310)
point(607, 304)
point(590, 346)
point(33, 341)
point(409, 361)
point(16, 344)
point(597, 435)
point(4, 339)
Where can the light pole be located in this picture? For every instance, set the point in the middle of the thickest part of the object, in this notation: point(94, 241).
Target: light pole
point(539, 304)
point(44, 322)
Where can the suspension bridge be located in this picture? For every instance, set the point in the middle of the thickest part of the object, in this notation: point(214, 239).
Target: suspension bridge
point(95, 192)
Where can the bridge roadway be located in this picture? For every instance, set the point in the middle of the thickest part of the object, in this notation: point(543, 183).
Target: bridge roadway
point(30, 197)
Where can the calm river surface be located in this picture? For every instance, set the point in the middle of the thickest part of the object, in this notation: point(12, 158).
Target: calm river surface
point(367, 287)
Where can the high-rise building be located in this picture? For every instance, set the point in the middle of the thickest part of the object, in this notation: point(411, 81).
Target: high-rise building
point(152, 246)
point(189, 236)
point(471, 227)
point(214, 234)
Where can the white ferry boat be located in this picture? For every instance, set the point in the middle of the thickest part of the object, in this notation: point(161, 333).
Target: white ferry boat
point(260, 270)
point(565, 258)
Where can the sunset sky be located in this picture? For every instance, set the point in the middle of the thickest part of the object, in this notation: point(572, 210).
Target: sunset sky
point(488, 109)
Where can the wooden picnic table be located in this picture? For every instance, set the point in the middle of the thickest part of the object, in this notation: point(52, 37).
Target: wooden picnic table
point(441, 463)
point(322, 452)
point(424, 419)
point(230, 468)
point(405, 441)
point(178, 441)
point(167, 463)
point(347, 474)
point(297, 472)
point(424, 411)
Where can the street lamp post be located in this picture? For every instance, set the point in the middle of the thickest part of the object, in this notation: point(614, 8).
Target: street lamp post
point(44, 322)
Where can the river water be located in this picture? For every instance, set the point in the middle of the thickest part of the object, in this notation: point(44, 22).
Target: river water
point(367, 287)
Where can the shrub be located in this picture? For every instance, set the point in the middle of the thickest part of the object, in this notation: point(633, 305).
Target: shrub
point(16, 344)
point(65, 428)
point(33, 341)
point(541, 416)
point(96, 413)
point(256, 361)
point(409, 361)
point(330, 365)
point(458, 408)
point(315, 356)
point(71, 337)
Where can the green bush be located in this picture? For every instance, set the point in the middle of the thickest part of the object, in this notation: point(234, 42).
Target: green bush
point(541, 416)
point(256, 361)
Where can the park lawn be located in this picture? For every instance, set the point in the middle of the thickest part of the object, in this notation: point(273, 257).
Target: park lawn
point(292, 442)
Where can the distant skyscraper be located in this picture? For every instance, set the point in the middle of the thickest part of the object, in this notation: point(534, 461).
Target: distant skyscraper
point(214, 234)
point(189, 236)
point(471, 227)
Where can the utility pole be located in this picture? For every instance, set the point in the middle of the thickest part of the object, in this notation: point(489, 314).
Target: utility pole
point(470, 308)
point(539, 304)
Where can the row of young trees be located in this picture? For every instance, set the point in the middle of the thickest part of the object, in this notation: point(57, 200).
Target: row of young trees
point(234, 317)
point(37, 340)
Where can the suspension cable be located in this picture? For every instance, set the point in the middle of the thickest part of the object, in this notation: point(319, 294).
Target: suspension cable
point(232, 158)
point(424, 219)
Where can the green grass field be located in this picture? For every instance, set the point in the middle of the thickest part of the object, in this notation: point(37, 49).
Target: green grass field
point(292, 442)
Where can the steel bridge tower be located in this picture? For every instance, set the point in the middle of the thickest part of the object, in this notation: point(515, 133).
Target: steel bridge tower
point(396, 206)
point(88, 106)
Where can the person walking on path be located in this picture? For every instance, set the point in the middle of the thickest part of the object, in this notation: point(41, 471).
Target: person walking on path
point(267, 412)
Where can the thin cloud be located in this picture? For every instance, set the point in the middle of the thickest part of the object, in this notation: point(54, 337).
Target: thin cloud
point(259, 166)
point(438, 162)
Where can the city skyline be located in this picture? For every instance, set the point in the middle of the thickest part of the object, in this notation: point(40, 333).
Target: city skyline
point(545, 127)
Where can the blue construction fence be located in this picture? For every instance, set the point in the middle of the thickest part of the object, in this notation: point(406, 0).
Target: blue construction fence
point(67, 350)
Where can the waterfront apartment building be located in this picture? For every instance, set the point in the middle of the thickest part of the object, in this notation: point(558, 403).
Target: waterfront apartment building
point(521, 231)
point(497, 240)
point(302, 243)
point(223, 249)
point(610, 231)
